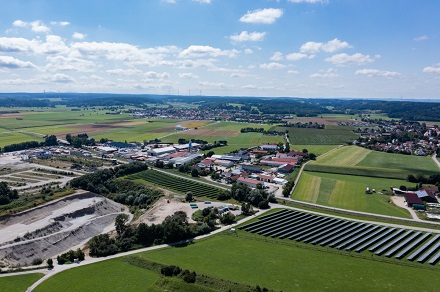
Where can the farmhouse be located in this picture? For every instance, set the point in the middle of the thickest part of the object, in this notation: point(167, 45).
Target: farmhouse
point(286, 168)
point(247, 181)
point(249, 167)
point(265, 178)
point(412, 198)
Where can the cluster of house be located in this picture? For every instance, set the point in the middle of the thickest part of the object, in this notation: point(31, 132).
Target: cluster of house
point(400, 137)
point(416, 200)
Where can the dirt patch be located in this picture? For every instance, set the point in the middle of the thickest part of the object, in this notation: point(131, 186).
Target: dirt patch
point(212, 133)
point(194, 124)
point(164, 207)
point(56, 227)
point(16, 115)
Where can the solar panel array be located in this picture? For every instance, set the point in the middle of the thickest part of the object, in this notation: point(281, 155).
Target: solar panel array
point(349, 235)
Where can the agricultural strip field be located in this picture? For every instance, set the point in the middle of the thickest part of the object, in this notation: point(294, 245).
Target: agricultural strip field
point(18, 283)
point(8, 137)
point(111, 275)
point(316, 149)
point(287, 267)
point(394, 243)
point(229, 131)
point(354, 160)
point(348, 192)
point(176, 184)
point(332, 136)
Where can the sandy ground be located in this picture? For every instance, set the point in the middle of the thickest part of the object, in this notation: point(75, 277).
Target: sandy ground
point(400, 202)
point(56, 227)
point(167, 206)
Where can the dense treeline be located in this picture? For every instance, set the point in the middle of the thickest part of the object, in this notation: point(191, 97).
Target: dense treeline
point(420, 178)
point(70, 256)
point(7, 195)
point(79, 140)
point(173, 229)
point(123, 191)
point(258, 197)
point(49, 141)
point(261, 130)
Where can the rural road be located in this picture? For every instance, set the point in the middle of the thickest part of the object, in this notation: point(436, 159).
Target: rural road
point(59, 268)
point(434, 157)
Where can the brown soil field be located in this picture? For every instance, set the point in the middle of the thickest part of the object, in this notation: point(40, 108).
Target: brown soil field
point(97, 128)
point(209, 132)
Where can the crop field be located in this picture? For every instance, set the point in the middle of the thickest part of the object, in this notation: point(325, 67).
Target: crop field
point(18, 283)
point(316, 149)
point(348, 192)
point(111, 275)
point(332, 136)
point(9, 137)
point(177, 184)
point(360, 161)
point(287, 267)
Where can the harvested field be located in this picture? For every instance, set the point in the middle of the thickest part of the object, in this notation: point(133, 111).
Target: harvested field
point(210, 132)
point(56, 227)
point(164, 129)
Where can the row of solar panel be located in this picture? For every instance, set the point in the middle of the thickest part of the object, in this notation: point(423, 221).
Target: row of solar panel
point(348, 235)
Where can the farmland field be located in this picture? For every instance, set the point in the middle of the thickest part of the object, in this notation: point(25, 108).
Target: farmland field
point(348, 192)
point(316, 149)
point(360, 161)
point(332, 136)
point(111, 275)
point(287, 268)
point(177, 184)
point(18, 283)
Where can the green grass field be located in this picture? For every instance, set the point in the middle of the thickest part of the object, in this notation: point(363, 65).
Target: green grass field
point(111, 275)
point(316, 149)
point(18, 283)
point(360, 161)
point(332, 136)
point(348, 192)
point(290, 268)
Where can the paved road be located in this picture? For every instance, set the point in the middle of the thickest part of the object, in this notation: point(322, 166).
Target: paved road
point(59, 268)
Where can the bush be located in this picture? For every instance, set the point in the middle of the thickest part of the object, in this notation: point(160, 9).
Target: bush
point(170, 271)
point(189, 277)
point(263, 205)
point(37, 261)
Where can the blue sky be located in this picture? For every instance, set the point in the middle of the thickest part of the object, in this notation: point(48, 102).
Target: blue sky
point(298, 48)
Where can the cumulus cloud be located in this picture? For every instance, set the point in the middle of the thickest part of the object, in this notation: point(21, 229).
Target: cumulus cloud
point(245, 36)
point(18, 45)
point(155, 75)
point(328, 47)
point(292, 72)
point(36, 26)
point(296, 56)
point(188, 76)
point(59, 78)
point(377, 73)
point(248, 51)
point(13, 63)
point(432, 69)
point(212, 84)
point(61, 63)
point(124, 72)
point(266, 16)
point(277, 56)
point(78, 35)
point(271, 66)
point(203, 1)
point(345, 59)
point(206, 51)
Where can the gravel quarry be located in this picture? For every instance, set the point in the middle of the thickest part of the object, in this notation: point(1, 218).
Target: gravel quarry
point(51, 229)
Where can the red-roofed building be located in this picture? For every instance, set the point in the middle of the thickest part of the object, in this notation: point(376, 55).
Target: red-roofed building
point(286, 168)
point(412, 198)
point(247, 181)
point(265, 178)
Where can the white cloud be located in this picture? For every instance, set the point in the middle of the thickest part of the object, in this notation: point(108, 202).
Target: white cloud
point(61, 63)
point(203, 1)
point(78, 35)
point(328, 47)
point(155, 75)
point(296, 56)
point(250, 86)
point(36, 26)
point(271, 66)
point(169, 1)
point(277, 56)
point(124, 72)
point(292, 72)
point(59, 78)
point(61, 23)
point(18, 45)
point(207, 63)
point(309, 1)
point(266, 16)
point(432, 69)
point(245, 36)
point(188, 76)
point(13, 63)
point(212, 84)
point(324, 75)
point(421, 38)
point(344, 59)
point(54, 45)
point(377, 73)
point(248, 51)
point(205, 51)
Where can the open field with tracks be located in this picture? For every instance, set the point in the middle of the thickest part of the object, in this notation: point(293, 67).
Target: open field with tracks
point(331, 135)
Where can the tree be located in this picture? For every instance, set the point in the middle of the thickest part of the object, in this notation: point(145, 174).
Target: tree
point(227, 218)
point(194, 172)
point(312, 156)
point(49, 263)
point(287, 148)
point(210, 153)
point(246, 208)
point(189, 197)
point(120, 224)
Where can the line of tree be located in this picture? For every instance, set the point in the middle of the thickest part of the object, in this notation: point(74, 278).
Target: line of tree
point(79, 140)
point(70, 256)
point(261, 130)
point(7, 195)
point(48, 141)
point(420, 178)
